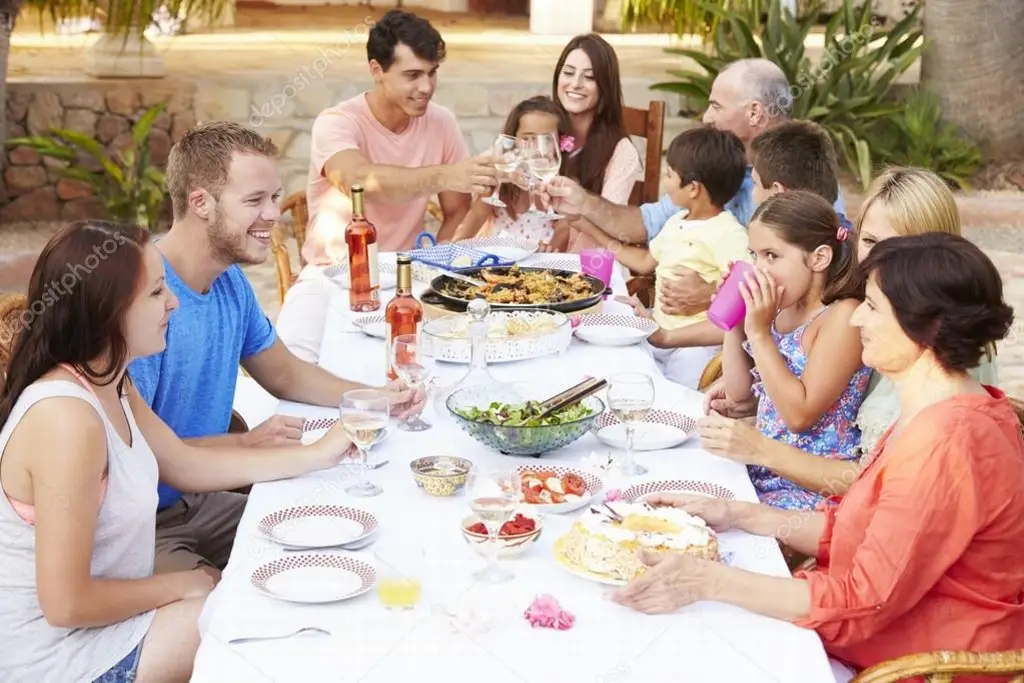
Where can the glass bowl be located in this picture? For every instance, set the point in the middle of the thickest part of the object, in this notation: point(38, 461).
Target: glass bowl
point(518, 440)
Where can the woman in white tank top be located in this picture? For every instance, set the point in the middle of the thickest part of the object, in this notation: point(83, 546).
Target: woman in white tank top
point(80, 457)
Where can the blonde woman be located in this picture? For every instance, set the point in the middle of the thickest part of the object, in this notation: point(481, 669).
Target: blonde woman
point(900, 202)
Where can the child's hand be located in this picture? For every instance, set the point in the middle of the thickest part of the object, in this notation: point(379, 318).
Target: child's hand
point(762, 298)
point(637, 305)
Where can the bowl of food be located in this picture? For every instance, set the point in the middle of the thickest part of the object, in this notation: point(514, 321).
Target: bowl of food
point(440, 475)
point(505, 417)
point(514, 538)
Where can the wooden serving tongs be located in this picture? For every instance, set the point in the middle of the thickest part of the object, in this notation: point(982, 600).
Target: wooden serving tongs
point(572, 395)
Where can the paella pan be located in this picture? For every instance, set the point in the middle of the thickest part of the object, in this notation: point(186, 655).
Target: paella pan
point(519, 288)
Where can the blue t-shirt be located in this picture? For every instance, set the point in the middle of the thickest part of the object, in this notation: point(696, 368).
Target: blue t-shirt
point(191, 383)
point(742, 206)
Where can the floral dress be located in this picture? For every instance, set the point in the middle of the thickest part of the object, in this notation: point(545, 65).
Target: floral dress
point(530, 226)
point(835, 435)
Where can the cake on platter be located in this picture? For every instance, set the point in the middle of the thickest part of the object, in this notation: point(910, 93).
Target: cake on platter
point(605, 541)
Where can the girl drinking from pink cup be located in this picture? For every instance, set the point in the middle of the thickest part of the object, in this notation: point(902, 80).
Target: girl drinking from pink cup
point(796, 351)
point(535, 116)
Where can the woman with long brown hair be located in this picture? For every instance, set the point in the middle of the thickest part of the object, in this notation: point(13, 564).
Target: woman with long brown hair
point(587, 87)
point(80, 457)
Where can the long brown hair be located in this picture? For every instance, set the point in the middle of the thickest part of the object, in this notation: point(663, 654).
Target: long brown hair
point(540, 104)
point(588, 165)
point(81, 288)
point(807, 221)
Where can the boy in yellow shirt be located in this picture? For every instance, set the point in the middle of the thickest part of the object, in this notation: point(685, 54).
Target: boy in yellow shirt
point(706, 167)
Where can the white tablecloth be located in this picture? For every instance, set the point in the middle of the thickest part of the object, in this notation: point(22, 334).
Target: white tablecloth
point(608, 643)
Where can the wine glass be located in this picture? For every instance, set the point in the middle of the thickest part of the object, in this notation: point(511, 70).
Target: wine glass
point(364, 417)
point(630, 396)
point(544, 162)
point(528, 148)
point(415, 366)
point(506, 160)
point(493, 496)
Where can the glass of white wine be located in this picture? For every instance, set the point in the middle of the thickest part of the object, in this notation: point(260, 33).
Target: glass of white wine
point(493, 496)
point(414, 365)
point(506, 160)
point(630, 397)
point(364, 417)
point(528, 148)
point(544, 163)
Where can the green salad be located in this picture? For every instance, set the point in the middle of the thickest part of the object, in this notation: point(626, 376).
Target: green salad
point(524, 415)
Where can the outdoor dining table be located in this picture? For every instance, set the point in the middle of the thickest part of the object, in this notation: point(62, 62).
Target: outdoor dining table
point(608, 643)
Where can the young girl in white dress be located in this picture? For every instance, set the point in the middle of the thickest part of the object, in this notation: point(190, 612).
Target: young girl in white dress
point(535, 116)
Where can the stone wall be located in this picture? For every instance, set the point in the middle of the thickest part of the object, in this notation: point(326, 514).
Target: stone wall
point(32, 190)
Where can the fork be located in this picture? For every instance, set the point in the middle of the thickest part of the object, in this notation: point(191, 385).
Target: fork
point(305, 629)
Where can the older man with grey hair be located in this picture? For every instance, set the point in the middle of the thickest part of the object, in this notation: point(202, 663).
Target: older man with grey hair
point(747, 98)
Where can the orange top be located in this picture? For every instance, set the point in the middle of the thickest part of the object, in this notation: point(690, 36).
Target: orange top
point(923, 553)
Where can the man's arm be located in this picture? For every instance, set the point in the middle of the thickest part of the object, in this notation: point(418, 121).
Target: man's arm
point(455, 207)
point(288, 378)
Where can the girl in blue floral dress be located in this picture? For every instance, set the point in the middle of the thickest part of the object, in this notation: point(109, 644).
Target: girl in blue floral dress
point(796, 351)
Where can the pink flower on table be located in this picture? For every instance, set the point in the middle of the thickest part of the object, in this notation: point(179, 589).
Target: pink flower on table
point(613, 495)
point(567, 143)
point(545, 612)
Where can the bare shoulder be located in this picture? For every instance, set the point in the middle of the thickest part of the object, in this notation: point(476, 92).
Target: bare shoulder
point(838, 314)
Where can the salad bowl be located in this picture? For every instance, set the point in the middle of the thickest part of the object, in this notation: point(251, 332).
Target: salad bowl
point(502, 417)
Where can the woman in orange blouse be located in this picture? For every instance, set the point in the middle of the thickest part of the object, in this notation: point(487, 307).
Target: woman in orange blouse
point(923, 552)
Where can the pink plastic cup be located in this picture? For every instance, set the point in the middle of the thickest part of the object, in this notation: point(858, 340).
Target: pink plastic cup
point(728, 308)
point(598, 263)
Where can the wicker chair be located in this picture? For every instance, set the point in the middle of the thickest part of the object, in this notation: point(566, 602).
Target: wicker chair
point(944, 666)
point(11, 307)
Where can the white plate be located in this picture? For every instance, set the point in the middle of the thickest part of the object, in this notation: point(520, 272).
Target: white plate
point(372, 325)
point(614, 330)
point(309, 578)
point(593, 482)
point(660, 429)
point(317, 526)
point(704, 488)
point(505, 247)
point(387, 276)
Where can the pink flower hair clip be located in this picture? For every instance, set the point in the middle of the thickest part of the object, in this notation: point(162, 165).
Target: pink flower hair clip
point(567, 143)
point(841, 234)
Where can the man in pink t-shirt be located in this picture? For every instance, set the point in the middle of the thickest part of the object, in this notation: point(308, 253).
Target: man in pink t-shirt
point(401, 148)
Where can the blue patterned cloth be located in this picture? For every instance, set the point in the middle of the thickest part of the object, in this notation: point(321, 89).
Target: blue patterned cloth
point(124, 671)
point(835, 435)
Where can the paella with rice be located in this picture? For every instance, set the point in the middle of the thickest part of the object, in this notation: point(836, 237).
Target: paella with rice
point(515, 285)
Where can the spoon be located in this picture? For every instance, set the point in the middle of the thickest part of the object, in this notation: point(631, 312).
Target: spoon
point(306, 629)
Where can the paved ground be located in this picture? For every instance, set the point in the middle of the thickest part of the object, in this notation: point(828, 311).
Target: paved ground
point(994, 221)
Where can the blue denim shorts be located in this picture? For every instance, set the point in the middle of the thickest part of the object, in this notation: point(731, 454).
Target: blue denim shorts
point(124, 671)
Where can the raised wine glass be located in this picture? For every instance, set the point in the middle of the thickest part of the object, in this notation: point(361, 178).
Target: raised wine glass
point(630, 396)
point(528, 148)
point(364, 416)
point(415, 366)
point(544, 163)
point(506, 160)
point(493, 496)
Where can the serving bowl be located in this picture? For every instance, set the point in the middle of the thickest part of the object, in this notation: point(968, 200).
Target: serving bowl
point(518, 440)
point(440, 475)
point(508, 546)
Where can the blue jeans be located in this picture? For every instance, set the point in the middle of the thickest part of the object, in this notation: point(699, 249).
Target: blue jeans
point(125, 670)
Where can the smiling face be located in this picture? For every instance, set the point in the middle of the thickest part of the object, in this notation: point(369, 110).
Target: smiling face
point(577, 87)
point(241, 219)
point(887, 348)
point(875, 226)
point(410, 82)
point(789, 265)
point(146, 319)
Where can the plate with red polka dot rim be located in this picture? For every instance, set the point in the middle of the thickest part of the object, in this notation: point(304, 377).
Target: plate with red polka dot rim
point(637, 492)
point(311, 578)
point(593, 483)
point(614, 330)
point(660, 429)
point(372, 325)
point(319, 423)
point(317, 526)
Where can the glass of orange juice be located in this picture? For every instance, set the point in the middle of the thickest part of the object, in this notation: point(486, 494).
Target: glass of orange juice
point(400, 577)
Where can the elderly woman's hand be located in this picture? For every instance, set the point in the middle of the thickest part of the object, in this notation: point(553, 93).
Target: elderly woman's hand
point(733, 439)
point(672, 580)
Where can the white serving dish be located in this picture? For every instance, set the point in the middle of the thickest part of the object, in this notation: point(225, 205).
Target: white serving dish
point(448, 337)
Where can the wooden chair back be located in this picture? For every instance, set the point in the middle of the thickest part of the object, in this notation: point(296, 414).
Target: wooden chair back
point(648, 124)
point(296, 204)
point(11, 307)
point(945, 665)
